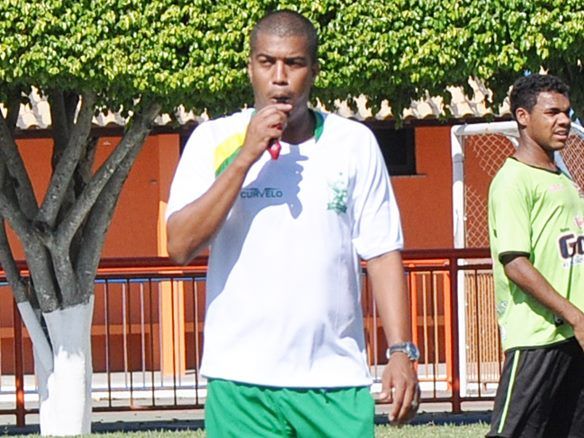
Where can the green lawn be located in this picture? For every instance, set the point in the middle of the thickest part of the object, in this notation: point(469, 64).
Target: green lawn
point(431, 431)
point(421, 431)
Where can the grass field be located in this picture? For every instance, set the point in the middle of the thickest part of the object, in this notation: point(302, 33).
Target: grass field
point(431, 431)
point(421, 431)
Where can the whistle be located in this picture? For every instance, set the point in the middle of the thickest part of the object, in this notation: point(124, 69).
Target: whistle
point(274, 148)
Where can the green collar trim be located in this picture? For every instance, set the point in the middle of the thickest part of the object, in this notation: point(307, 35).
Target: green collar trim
point(318, 125)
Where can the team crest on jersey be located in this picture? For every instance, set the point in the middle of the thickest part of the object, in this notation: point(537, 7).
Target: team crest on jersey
point(579, 221)
point(339, 195)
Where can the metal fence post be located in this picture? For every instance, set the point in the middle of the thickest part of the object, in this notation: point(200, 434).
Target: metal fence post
point(456, 404)
point(18, 367)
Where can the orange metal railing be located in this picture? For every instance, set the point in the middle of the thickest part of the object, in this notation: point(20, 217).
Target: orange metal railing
point(147, 334)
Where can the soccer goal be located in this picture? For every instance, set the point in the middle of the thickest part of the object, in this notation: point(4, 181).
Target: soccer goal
point(478, 151)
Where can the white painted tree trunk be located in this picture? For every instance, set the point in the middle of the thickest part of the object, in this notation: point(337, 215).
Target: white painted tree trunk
point(64, 378)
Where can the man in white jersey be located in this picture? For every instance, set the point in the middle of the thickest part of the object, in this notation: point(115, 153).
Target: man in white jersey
point(536, 225)
point(290, 200)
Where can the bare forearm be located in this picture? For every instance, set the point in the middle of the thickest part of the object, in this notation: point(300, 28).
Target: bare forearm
point(524, 275)
point(399, 382)
point(390, 292)
point(190, 229)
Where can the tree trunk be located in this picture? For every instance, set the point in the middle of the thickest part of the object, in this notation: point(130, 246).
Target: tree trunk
point(64, 379)
point(62, 240)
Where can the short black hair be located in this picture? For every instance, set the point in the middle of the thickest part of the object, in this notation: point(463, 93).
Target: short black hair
point(284, 23)
point(526, 89)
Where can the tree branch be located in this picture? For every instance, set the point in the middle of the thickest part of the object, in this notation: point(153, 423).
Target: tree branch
point(3, 174)
point(39, 263)
point(13, 109)
point(99, 220)
point(59, 120)
point(42, 275)
point(62, 176)
point(10, 210)
point(15, 166)
point(8, 264)
point(82, 177)
point(66, 278)
point(134, 137)
point(84, 173)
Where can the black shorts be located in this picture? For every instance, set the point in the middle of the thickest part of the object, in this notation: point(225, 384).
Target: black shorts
point(541, 393)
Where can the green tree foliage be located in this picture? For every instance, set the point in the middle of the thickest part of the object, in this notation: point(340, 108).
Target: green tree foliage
point(194, 52)
point(403, 49)
point(166, 51)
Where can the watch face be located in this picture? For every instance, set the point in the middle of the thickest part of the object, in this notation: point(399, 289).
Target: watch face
point(412, 351)
point(409, 348)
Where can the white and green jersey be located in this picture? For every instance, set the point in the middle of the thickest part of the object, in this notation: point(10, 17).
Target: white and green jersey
point(283, 289)
point(538, 213)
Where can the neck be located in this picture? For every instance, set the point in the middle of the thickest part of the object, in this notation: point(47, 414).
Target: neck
point(299, 127)
point(529, 152)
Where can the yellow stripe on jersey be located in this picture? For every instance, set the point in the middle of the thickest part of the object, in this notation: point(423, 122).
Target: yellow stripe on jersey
point(227, 150)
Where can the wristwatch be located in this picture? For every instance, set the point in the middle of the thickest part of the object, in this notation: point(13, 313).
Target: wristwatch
point(409, 348)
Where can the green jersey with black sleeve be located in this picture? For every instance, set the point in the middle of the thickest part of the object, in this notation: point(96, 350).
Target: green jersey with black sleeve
point(539, 214)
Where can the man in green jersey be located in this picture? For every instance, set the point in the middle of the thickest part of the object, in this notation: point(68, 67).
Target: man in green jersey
point(536, 227)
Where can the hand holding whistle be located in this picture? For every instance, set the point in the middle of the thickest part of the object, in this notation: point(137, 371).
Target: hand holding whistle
point(274, 146)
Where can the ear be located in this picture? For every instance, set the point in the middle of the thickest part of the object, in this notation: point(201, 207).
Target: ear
point(522, 116)
point(315, 70)
point(249, 71)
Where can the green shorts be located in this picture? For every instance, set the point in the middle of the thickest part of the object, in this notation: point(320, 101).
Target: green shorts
point(241, 410)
